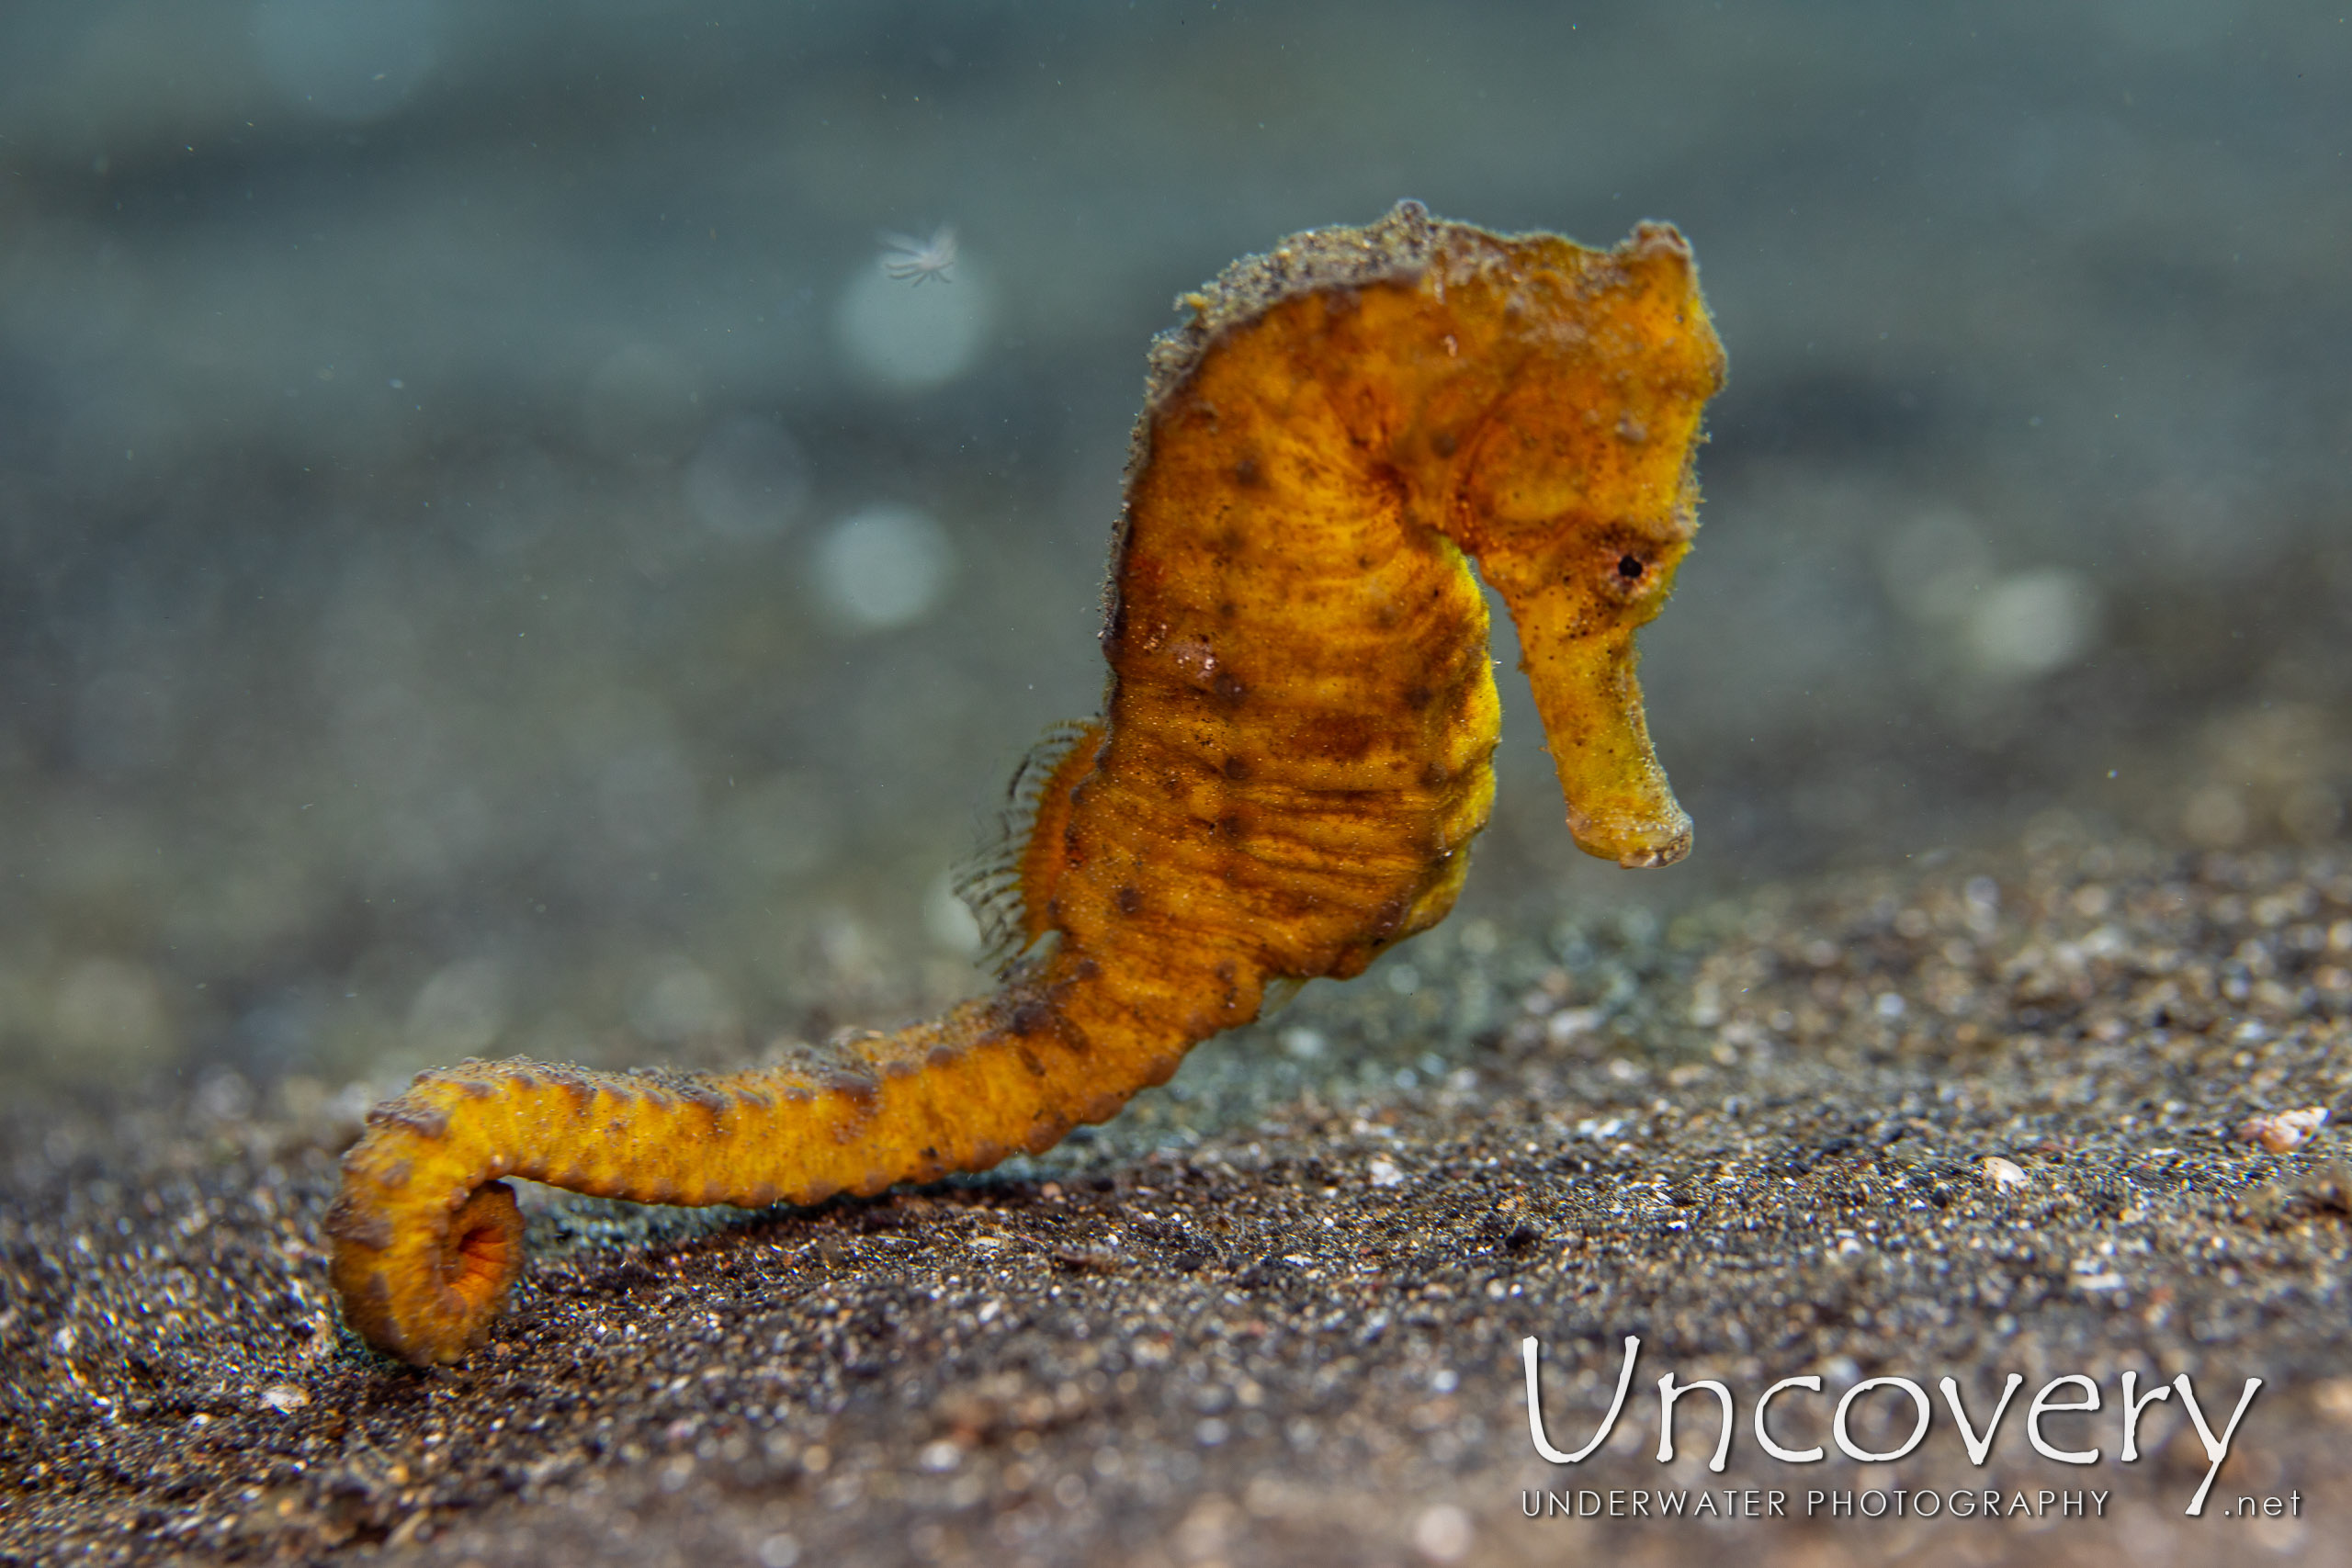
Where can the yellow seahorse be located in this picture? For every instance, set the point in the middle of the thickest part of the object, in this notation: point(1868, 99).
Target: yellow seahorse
point(1292, 760)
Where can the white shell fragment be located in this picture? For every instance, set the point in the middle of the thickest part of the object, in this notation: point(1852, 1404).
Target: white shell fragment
point(2283, 1131)
point(2003, 1173)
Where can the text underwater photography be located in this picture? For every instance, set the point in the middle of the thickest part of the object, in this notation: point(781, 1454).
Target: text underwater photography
point(2074, 1501)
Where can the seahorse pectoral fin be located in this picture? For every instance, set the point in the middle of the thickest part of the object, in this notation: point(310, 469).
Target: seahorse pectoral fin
point(1620, 805)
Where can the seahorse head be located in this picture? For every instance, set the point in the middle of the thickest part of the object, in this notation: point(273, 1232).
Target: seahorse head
point(1570, 478)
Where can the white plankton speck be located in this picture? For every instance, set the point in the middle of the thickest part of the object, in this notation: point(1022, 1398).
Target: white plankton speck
point(906, 259)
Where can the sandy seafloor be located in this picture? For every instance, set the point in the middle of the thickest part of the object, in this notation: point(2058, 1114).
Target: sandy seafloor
point(1274, 1314)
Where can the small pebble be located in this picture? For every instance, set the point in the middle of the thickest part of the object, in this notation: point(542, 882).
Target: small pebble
point(2283, 1131)
point(2003, 1173)
point(1444, 1533)
point(285, 1397)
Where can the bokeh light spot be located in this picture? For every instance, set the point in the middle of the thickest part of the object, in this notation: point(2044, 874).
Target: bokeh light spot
point(884, 567)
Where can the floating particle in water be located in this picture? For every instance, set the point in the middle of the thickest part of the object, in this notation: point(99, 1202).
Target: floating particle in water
point(884, 567)
point(906, 259)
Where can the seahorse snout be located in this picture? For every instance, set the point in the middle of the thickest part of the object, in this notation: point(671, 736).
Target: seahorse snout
point(1635, 843)
point(1620, 807)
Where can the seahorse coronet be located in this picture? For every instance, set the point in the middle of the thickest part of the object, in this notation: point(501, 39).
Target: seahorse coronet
point(1294, 754)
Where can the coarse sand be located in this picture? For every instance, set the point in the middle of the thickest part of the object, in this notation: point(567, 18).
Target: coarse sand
point(1989, 1116)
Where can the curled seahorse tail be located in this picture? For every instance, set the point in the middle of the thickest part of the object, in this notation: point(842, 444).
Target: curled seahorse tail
point(427, 1239)
point(457, 1271)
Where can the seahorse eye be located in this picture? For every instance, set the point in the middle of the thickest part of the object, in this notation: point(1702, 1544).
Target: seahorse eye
point(1629, 568)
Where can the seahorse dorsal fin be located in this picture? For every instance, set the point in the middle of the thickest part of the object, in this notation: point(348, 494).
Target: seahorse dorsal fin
point(1009, 880)
point(1280, 991)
